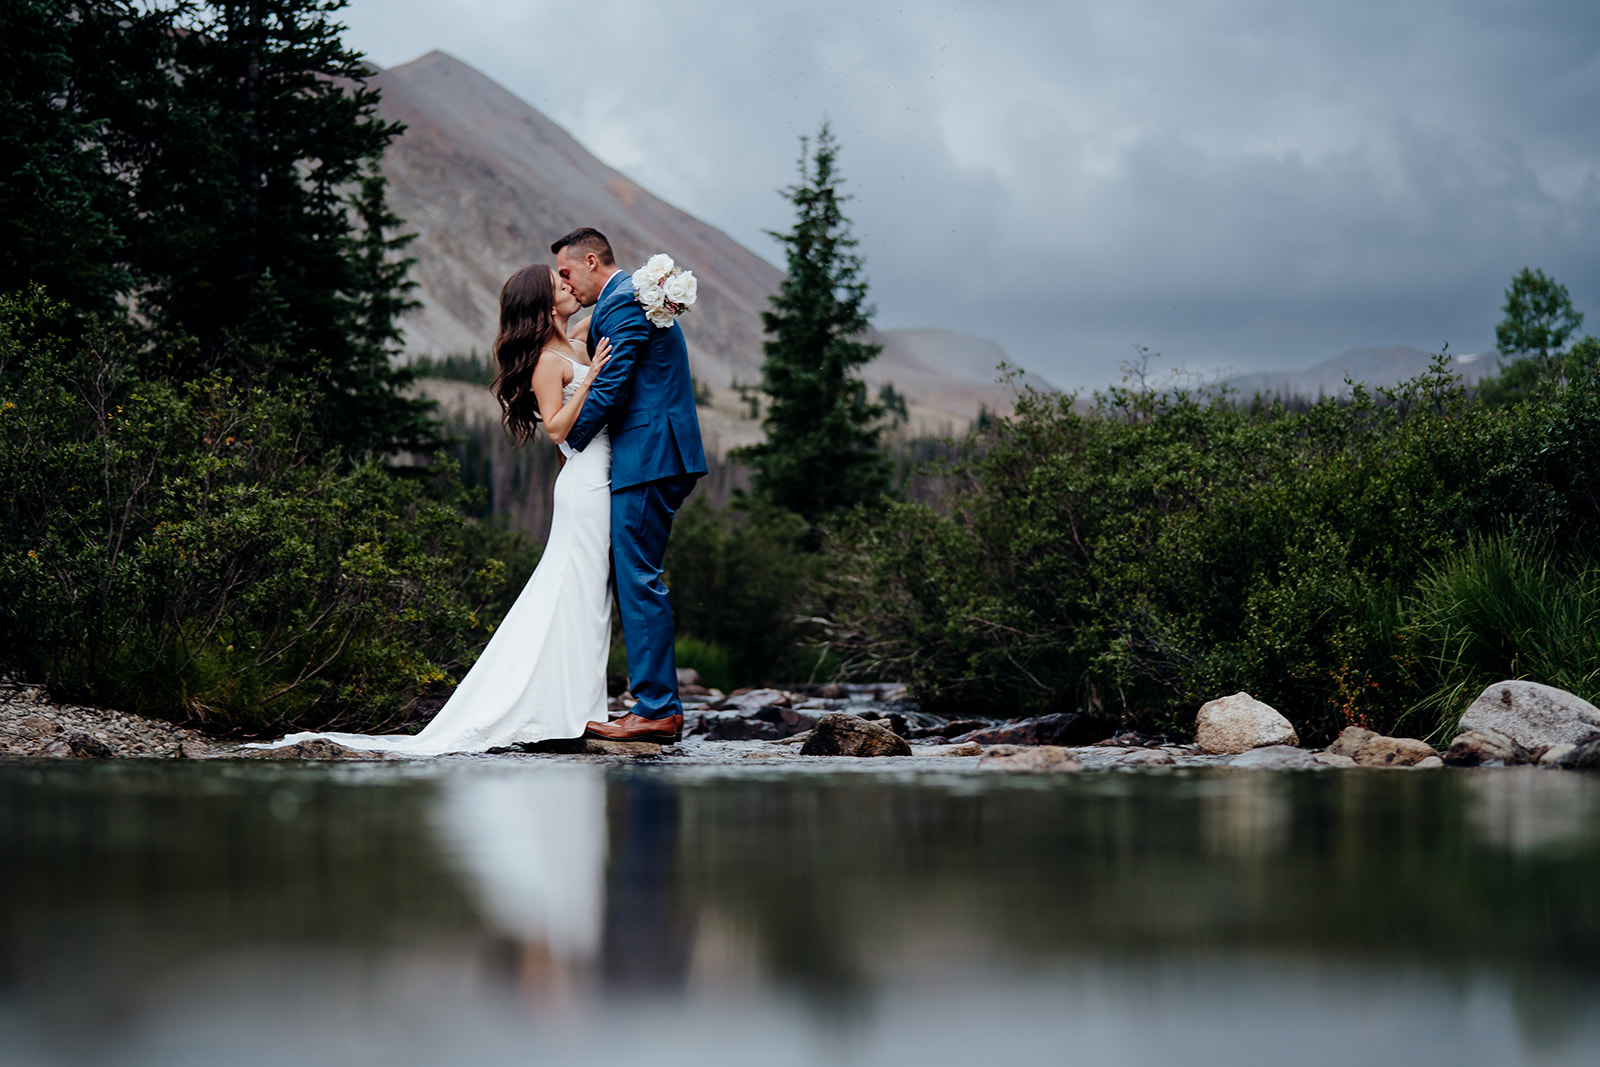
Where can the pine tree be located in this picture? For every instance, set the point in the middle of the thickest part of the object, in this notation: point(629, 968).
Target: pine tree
point(61, 201)
point(821, 452)
point(214, 169)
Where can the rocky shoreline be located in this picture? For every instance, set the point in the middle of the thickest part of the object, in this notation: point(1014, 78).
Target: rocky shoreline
point(1511, 723)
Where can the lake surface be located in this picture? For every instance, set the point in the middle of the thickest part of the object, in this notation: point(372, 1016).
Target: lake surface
point(525, 910)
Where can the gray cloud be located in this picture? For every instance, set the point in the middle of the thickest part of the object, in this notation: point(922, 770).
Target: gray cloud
point(1251, 184)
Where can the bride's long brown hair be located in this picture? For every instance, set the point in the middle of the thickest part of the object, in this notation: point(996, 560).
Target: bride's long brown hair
point(527, 325)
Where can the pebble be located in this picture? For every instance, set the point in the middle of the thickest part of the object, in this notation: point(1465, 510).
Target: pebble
point(32, 724)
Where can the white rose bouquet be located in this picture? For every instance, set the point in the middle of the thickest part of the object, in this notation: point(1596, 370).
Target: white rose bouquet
point(664, 289)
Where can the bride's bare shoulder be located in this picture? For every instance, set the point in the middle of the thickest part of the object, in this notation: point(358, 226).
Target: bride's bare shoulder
point(580, 332)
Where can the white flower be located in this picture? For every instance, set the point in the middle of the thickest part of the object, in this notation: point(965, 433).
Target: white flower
point(681, 288)
point(652, 296)
point(660, 317)
point(658, 266)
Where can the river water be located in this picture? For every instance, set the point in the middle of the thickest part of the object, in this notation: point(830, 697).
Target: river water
point(527, 910)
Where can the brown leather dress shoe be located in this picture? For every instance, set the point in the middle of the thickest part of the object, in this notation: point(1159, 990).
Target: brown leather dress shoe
point(633, 727)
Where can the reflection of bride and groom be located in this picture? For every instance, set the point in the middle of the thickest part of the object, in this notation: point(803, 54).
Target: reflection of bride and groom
point(614, 393)
point(576, 894)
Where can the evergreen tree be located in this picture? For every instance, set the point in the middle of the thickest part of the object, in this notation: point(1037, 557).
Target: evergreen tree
point(214, 166)
point(61, 201)
point(269, 195)
point(821, 452)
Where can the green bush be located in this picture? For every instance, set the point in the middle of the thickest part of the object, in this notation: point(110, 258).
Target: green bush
point(714, 662)
point(1501, 610)
point(1170, 548)
point(191, 551)
point(738, 576)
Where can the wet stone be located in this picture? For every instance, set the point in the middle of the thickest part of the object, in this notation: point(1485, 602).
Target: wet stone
point(318, 748)
point(1378, 751)
point(1062, 728)
point(1025, 758)
point(1486, 748)
point(1275, 758)
point(75, 745)
point(1532, 715)
point(841, 734)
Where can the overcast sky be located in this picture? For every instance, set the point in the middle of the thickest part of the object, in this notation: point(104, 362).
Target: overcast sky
point(1248, 184)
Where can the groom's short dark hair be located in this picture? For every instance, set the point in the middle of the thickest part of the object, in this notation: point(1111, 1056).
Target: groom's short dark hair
point(587, 239)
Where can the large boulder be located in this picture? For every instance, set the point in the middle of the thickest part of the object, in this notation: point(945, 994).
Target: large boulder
point(1062, 728)
point(839, 734)
point(1532, 715)
point(1239, 723)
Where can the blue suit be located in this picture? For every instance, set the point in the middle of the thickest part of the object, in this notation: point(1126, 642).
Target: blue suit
point(645, 398)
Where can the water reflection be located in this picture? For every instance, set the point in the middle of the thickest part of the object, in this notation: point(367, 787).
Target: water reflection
point(532, 851)
point(497, 911)
point(1527, 809)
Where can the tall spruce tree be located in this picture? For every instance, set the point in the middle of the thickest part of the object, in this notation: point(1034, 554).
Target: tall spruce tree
point(214, 166)
point(822, 450)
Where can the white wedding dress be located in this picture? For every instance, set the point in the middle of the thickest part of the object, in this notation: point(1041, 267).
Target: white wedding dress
point(543, 673)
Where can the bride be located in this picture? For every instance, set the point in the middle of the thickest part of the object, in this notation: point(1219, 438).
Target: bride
point(543, 673)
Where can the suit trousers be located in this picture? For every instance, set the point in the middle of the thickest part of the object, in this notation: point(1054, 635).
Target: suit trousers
point(641, 521)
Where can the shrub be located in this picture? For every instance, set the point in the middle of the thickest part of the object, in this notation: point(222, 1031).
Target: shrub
point(737, 576)
point(1172, 547)
point(191, 551)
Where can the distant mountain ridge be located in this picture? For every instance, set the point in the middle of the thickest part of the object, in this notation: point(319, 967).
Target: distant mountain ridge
point(487, 182)
point(1382, 367)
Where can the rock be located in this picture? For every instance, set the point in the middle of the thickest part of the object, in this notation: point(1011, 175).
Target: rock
point(953, 728)
point(1240, 723)
point(1276, 758)
point(1029, 758)
point(899, 694)
point(1350, 740)
point(1331, 758)
point(840, 734)
point(1532, 715)
point(1552, 756)
point(1584, 756)
point(689, 676)
point(1134, 757)
point(316, 748)
point(895, 721)
point(39, 724)
point(1426, 764)
point(752, 699)
point(966, 748)
point(770, 723)
point(595, 746)
point(76, 745)
point(833, 691)
point(196, 750)
point(1379, 751)
point(688, 692)
point(1062, 728)
point(1480, 748)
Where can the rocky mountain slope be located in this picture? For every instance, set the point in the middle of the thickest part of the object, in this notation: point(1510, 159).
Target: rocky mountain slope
point(487, 182)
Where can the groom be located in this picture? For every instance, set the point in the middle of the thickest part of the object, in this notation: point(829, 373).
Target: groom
point(644, 396)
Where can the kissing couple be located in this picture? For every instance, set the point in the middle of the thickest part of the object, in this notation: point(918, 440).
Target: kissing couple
point(615, 394)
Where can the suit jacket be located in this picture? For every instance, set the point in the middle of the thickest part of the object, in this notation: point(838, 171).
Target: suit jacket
point(643, 395)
